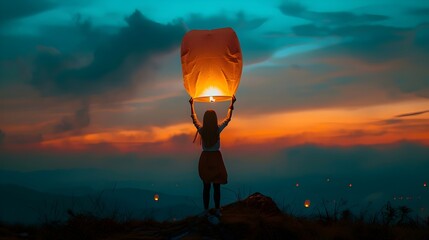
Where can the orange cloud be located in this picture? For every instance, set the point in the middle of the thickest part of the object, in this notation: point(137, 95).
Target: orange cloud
point(342, 126)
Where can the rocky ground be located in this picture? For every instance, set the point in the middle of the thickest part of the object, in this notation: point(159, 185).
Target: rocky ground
point(256, 217)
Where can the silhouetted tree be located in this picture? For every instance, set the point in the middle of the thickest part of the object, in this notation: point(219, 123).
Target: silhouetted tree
point(388, 214)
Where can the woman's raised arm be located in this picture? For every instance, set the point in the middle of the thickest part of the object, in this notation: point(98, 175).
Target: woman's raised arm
point(228, 115)
point(194, 117)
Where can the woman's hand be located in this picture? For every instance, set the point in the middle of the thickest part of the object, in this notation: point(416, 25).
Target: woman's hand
point(191, 101)
point(233, 99)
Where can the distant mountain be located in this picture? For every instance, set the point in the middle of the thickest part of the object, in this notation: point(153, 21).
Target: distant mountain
point(20, 204)
point(51, 179)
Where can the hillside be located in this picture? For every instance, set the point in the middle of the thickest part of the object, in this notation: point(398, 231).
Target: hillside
point(24, 205)
point(256, 217)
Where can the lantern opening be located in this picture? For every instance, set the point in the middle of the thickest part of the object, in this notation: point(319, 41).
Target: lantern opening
point(212, 94)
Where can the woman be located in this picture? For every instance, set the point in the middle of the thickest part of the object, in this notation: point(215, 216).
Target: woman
point(210, 166)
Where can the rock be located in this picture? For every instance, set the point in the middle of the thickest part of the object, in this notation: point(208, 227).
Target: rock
point(262, 203)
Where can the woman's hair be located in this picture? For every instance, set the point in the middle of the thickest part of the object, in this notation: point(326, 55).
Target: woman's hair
point(210, 130)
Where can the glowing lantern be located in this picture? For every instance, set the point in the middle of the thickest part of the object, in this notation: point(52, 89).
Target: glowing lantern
point(296, 184)
point(425, 185)
point(307, 203)
point(156, 197)
point(350, 185)
point(211, 64)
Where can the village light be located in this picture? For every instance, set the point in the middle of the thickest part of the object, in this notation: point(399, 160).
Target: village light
point(307, 203)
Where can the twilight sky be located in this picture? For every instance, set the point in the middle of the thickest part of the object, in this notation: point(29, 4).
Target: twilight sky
point(328, 88)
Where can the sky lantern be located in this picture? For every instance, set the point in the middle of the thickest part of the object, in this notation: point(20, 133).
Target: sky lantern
point(211, 64)
point(425, 184)
point(307, 203)
point(156, 197)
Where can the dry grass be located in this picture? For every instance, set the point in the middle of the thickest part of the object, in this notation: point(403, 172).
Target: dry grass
point(256, 217)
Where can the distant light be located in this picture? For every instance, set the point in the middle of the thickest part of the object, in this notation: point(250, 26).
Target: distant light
point(350, 185)
point(425, 185)
point(328, 179)
point(297, 185)
point(307, 203)
point(156, 197)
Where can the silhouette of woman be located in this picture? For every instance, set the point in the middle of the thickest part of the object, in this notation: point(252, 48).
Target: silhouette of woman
point(210, 166)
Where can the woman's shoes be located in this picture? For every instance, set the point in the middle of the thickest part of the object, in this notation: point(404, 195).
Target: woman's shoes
point(213, 219)
point(218, 213)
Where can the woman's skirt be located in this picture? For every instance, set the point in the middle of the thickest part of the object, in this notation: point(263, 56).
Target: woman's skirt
point(211, 168)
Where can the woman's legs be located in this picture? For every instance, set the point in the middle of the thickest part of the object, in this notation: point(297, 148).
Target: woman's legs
point(216, 195)
point(206, 195)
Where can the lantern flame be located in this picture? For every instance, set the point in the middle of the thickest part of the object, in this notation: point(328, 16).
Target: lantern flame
point(212, 99)
point(307, 203)
point(212, 91)
point(156, 197)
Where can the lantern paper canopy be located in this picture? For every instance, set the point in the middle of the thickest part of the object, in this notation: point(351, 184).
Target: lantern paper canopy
point(211, 64)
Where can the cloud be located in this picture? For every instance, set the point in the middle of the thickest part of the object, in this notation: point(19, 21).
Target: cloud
point(239, 22)
point(2, 136)
point(392, 158)
point(22, 138)
point(365, 56)
point(253, 162)
point(102, 67)
point(341, 18)
point(79, 120)
point(10, 10)
point(113, 61)
point(385, 62)
point(411, 114)
point(419, 12)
